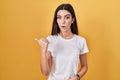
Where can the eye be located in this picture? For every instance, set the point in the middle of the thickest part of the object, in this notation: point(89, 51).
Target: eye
point(67, 17)
point(58, 17)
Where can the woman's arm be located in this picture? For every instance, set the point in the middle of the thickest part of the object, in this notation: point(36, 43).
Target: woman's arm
point(46, 58)
point(45, 62)
point(84, 66)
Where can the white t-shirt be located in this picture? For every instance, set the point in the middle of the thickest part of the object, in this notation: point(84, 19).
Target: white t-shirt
point(65, 54)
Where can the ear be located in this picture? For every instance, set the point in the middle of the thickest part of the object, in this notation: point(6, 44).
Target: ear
point(73, 20)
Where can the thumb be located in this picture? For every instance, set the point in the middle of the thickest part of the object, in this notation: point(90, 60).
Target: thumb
point(36, 39)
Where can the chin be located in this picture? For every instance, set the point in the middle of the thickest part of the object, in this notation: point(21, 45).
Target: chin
point(64, 30)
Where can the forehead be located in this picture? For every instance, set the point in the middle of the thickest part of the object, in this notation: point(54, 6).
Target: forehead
point(63, 12)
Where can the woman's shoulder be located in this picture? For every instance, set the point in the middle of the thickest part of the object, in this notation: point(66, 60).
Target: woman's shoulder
point(81, 38)
point(52, 37)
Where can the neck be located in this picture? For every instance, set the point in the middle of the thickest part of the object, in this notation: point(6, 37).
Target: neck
point(66, 35)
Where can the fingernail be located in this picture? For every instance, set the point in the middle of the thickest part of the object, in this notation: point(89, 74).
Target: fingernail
point(36, 39)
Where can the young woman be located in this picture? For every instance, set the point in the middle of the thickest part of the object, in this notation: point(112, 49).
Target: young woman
point(63, 49)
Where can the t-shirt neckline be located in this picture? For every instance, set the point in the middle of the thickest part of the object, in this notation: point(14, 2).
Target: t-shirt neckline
point(66, 39)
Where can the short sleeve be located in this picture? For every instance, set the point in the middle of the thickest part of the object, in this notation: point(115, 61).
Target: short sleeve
point(84, 47)
point(50, 44)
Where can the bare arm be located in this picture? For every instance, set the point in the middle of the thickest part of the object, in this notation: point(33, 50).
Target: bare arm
point(46, 58)
point(84, 67)
point(45, 62)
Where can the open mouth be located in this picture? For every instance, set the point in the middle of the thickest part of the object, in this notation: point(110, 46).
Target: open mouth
point(63, 26)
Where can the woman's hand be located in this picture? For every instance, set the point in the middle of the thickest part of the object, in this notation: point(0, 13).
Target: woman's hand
point(73, 78)
point(43, 42)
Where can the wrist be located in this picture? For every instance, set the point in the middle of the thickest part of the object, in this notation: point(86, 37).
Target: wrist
point(78, 76)
point(43, 49)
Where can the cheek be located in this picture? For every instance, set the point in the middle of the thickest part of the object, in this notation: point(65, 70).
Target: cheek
point(69, 22)
point(58, 22)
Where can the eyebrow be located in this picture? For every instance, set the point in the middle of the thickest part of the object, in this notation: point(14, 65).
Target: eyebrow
point(65, 15)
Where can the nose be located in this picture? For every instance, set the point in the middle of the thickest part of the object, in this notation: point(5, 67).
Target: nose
point(63, 21)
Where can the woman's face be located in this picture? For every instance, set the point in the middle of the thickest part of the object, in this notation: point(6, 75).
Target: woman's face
point(64, 20)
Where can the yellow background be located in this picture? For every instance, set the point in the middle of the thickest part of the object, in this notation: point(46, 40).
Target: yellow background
point(23, 20)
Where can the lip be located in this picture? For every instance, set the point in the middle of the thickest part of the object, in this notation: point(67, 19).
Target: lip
point(63, 26)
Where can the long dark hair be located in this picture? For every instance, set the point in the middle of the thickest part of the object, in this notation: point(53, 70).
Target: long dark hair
point(55, 27)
